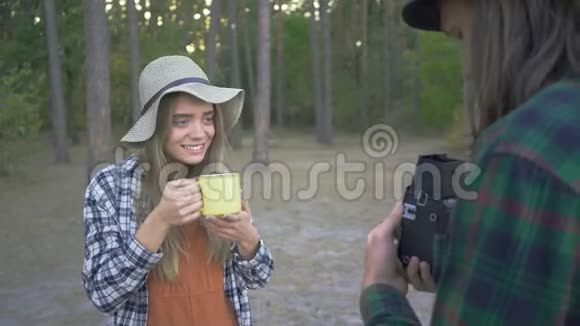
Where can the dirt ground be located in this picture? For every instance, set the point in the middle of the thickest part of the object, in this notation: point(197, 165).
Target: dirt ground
point(317, 243)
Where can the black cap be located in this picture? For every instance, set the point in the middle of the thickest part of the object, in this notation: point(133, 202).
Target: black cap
point(423, 14)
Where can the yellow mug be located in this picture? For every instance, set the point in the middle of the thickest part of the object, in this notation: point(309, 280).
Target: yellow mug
point(221, 194)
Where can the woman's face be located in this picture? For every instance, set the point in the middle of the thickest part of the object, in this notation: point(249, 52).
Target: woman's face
point(191, 130)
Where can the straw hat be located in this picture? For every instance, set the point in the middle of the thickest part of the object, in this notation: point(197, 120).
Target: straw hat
point(172, 74)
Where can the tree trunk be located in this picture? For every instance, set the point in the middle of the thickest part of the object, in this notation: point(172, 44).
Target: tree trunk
point(397, 48)
point(280, 68)
point(187, 11)
point(4, 19)
point(59, 125)
point(262, 116)
point(235, 136)
point(249, 58)
point(470, 114)
point(316, 68)
point(364, 117)
point(340, 20)
point(134, 58)
point(327, 137)
point(351, 31)
point(98, 83)
point(387, 77)
point(416, 76)
point(214, 27)
point(71, 79)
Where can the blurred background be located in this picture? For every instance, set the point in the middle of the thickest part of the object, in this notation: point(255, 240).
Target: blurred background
point(317, 74)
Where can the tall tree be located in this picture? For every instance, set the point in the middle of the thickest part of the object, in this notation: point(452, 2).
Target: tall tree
point(349, 35)
point(397, 47)
point(98, 82)
point(4, 19)
point(59, 117)
point(186, 10)
point(248, 56)
point(262, 112)
point(280, 81)
point(316, 68)
point(327, 134)
point(468, 107)
point(416, 46)
point(134, 57)
point(235, 136)
point(211, 43)
point(364, 114)
point(387, 76)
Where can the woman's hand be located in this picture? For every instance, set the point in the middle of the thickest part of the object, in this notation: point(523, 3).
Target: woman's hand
point(237, 228)
point(180, 202)
point(419, 275)
point(382, 264)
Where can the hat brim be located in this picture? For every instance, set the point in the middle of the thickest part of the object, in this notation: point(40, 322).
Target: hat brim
point(423, 15)
point(230, 101)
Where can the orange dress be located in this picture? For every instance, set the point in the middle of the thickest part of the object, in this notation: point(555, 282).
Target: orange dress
point(196, 296)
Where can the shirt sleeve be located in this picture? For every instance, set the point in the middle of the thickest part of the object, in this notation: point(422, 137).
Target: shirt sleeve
point(114, 267)
point(256, 271)
point(381, 304)
point(514, 250)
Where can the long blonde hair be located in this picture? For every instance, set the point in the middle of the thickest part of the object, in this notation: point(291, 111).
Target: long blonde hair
point(150, 191)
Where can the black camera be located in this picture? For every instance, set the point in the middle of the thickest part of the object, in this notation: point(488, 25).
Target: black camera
point(428, 205)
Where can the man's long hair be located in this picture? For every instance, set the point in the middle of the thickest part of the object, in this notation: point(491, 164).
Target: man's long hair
point(517, 48)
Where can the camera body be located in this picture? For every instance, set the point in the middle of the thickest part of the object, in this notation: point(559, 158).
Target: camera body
point(428, 205)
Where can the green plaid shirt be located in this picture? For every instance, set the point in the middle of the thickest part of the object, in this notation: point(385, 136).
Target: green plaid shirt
point(513, 257)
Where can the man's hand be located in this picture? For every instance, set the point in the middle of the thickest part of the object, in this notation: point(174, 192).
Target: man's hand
point(237, 228)
point(382, 264)
point(419, 275)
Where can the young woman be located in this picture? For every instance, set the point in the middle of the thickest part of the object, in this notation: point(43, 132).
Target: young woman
point(513, 253)
point(150, 257)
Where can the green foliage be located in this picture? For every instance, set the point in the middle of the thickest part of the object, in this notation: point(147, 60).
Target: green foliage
point(19, 109)
point(297, 69)
point(441, 82)
point(25, 110)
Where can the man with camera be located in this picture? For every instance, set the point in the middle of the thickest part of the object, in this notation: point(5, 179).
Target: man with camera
point(512, 252)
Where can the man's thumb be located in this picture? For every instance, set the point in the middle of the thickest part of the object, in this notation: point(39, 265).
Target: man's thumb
point(394, 217)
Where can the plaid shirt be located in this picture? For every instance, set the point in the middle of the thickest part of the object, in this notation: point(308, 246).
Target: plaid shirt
point(116, 265)
point(513, 256)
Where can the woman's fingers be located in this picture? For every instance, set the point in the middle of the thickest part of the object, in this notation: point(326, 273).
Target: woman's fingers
point(187, 194)
point(192, 188)
point(221, 222)
point(220, 232)
point(189, 209)
point(246, 207)
point(180, 183)
point(191, 218)
point(232, 218)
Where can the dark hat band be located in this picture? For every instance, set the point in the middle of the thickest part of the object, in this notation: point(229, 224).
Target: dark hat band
point(189, 80)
